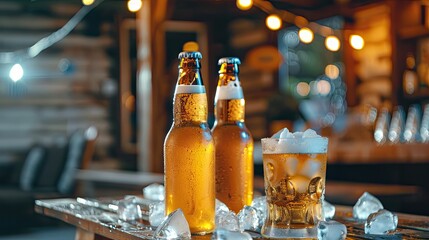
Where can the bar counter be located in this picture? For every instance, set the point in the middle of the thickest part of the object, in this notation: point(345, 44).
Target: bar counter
point(88, 228)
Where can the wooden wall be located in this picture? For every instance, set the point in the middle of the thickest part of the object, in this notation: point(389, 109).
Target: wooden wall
point(67, 87)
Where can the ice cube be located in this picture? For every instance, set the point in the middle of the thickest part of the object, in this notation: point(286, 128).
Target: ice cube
point(284, 133)
point(260, 203)
point(227, 220)
point(224, 234)
point(328, 210)
point(174, 226)
point(220, 206)
point(309, 133)
point(298, 134)
point(291, 166)
point(154, 191)
point(311, 168)
point(381, 222)
point(156, 213)
point(331, 230)
point(366, 205)
point(299, 183)
point(248, 218)
point(128, 209)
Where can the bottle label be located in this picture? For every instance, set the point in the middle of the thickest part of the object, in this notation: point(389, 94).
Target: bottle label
point(228, 92)
point(190, 89)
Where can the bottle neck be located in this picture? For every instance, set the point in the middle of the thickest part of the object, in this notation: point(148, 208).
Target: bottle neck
point(229, 101)
point(190, 100)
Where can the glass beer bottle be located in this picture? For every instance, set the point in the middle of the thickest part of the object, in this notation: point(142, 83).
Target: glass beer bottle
point(233, 141)
point(189, 153)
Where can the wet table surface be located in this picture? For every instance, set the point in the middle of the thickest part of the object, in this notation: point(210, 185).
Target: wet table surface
point(95, 223)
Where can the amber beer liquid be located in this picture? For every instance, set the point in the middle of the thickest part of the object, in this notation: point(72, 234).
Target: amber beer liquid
point(294, 177)
point(189, 153)
point(233, 141)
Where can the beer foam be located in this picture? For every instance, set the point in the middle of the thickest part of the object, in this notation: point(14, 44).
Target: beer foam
point(189, 89)
point(228, 92)
point(297, 142)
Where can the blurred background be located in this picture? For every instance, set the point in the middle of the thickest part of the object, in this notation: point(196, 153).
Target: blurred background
point(86, 91)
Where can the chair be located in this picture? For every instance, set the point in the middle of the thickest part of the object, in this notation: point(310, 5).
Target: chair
point(46, 172)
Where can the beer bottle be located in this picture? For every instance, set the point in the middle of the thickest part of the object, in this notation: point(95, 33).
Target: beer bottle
point(189, 153)
point(233, 141)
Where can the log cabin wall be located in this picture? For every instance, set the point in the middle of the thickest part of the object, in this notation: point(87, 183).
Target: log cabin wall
point(67, 87)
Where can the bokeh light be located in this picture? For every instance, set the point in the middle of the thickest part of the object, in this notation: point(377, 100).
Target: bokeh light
point(306, 35)
point(244, 4)
point(303, 89)
point(332, 71)
point(323, 87)
point(273, 22)
point(357, 42)
point(332, 43)
point(16, 72)
point(87, 2)
point(134, 5)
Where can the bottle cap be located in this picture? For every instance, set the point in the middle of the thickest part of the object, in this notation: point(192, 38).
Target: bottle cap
point(196, 55)
point(229, 60)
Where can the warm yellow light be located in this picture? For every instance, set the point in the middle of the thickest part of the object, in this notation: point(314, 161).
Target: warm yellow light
point(332, 43)
point(87, 2)
point(134, 5)
point(273, 22)
point(356, 42)
point(332, 71)
point(244, 4)
point(303, 89)
point(323, 87)
point(306, 35)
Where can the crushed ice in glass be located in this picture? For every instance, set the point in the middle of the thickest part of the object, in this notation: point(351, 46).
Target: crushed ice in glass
point(248, 218)
point(260, 203)
point(128, 209)
point(328, 210)
point(381, 222)
point(366, 205)
point(224, 234)
point(220, 206)
point(154, 191)
point(174, 226)
point(331, 230)
point(227, 220)
point(156, 213)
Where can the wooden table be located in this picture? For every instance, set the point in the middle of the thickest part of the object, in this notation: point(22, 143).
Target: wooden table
point(88, 228)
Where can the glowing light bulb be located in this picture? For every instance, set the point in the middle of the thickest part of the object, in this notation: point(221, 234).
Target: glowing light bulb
point(134, 5)
point(303, 89)
point(306, 35)
point(273, 22)
point(87, 2)
point(357, 42)
point(332, 43)
point(332, 71)
point(16, 72)
point(244, 4)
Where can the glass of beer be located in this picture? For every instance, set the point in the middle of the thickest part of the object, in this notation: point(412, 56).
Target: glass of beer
point(294, 177)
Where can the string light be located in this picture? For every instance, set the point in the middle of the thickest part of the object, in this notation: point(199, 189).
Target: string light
point(356, 41)
point(134, 5)
point(16, 72)
point(87, 2)
point(244, 4)
point(273, 22)
point(300, 21)
point(332, 43)
point(306, 35)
